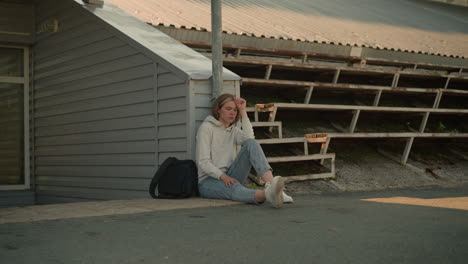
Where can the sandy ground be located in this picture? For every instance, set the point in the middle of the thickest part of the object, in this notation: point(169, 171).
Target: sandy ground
point(377, 170)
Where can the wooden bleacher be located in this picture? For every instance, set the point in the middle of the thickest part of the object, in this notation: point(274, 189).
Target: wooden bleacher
point(271, 70)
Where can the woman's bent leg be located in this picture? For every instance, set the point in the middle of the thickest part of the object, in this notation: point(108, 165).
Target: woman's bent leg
point(216, 189)
point(251, 154)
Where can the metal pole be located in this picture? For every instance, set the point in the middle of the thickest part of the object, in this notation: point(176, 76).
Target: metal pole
point(216, 47)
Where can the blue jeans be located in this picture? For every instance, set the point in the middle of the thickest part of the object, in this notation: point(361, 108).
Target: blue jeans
point(251, 154)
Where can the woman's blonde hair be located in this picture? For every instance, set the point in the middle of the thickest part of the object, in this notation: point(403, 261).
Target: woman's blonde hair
point(219, 102)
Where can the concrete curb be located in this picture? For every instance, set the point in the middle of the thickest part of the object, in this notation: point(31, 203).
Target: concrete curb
point(102, 208)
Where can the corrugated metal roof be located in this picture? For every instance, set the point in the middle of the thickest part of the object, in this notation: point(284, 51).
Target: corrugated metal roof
point(408, 25)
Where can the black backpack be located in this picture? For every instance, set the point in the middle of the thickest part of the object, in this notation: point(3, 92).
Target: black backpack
point(175, 179)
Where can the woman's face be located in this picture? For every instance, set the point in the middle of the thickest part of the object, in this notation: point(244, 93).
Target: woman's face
point(227, 113)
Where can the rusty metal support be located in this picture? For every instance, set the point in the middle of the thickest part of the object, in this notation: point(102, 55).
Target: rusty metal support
point(447, 83)
point(309, 94)
point(437, 99)
point(422, 127)
point(409, 144)
point(354, 121)
point(268, 71)
point(396, 78)
point(216, 48)
point(377, 98)
point(336, 76)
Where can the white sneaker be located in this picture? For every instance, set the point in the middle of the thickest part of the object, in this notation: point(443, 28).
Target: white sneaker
point(273, 192)
point(287, 198)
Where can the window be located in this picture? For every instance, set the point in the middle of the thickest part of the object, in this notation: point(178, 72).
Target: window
point(14, 118)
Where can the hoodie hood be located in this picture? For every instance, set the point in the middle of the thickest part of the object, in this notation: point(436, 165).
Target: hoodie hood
point(214, 121)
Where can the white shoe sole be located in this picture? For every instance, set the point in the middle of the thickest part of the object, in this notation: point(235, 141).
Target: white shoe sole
point(279, 186)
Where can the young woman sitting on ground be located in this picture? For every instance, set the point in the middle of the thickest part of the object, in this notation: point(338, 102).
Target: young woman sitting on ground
point(222, 167)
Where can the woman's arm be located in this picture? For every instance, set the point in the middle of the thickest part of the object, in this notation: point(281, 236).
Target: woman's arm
point(203, 150)
point(246, 132)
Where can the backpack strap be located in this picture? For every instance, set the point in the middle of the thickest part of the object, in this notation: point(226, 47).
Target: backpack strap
point(162, 169)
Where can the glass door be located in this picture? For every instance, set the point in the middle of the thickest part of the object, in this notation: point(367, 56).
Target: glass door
point(14, 118)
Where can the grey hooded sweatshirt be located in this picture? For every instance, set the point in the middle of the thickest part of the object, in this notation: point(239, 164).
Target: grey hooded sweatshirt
point(217, 146)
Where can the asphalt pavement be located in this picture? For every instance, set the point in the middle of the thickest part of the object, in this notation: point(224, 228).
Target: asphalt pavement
point(337, 228)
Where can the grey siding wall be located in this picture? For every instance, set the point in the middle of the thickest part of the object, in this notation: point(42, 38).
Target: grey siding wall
point(94, 118)
point(17, 22)
point(172, 115)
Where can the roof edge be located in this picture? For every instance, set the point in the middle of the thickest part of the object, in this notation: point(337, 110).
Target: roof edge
point(161, 47)
point(182, 34)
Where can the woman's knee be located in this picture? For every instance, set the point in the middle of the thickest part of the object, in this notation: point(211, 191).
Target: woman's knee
point(251, 143)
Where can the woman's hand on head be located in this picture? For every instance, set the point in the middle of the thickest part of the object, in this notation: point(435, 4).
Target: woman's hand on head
point(241, 103)
point(228, 181)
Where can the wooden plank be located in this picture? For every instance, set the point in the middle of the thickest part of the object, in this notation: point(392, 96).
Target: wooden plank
point(316, 176)
point(397, 135)
point(365, 108)
point(316, 138)
point(337, 69)
point(300, 84)
point(281, 140)
point(351, 59)
point(266, 124)
point(302, 66)
point(300, 158)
